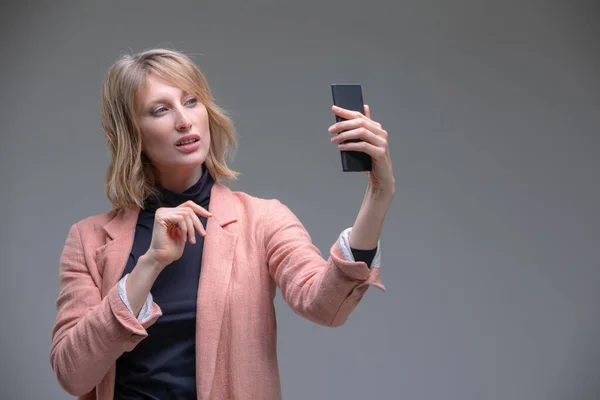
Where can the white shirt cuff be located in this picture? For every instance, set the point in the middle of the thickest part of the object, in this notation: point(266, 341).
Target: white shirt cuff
point(146, 310)
point(344, 243)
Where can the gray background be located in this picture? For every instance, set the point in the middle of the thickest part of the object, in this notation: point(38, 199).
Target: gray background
point(491, 247)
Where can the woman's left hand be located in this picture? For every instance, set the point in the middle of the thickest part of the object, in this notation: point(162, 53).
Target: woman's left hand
point(373, 141)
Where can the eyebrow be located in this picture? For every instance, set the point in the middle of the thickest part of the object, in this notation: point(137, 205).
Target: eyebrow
point(159, 100)
point(155, 102)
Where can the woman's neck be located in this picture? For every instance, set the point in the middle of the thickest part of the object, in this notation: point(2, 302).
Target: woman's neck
point(179, 180)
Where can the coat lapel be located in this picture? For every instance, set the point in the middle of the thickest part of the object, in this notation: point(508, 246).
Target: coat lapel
point(111, 258)
point(215, 274)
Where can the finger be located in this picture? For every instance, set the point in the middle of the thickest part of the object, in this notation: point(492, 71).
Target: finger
point(177, 228)
point(197, 223)
point(374, 151)
point(181, 235)
point(360, 134)
point(177, 234)
point(196, 208)
point(345, 113)
point(350, 114)
point(190, 231)
point(168, 219)
point(373, 126)
point(201, 228)
point(355, 123)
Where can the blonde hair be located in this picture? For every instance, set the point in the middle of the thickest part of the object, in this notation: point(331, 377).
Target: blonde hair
point(130, 177)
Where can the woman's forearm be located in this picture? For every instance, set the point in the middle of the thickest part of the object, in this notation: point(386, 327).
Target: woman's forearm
point(140, 281)
point(367, 228)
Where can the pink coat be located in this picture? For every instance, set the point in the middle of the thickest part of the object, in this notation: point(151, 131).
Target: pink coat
point(252, 246)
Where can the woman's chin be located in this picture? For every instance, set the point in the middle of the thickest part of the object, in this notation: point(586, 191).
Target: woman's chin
point(196, 158)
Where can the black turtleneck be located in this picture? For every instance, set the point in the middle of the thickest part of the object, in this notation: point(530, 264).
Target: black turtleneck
point(163, 365)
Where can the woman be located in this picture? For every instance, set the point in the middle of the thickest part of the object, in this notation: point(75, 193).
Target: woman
point(170, 294)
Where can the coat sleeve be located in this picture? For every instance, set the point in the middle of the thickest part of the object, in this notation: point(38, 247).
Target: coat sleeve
point(323, 291)
point(90, 332)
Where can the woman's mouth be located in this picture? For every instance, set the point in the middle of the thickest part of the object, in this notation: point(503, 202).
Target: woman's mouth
point(188, 146)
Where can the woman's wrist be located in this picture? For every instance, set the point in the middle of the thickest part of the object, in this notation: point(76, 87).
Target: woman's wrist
point(140, 281)
point(145, 273)
point(150, 262)
point(381, 195)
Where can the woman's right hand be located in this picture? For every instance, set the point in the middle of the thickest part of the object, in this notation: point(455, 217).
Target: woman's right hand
point(173, 227)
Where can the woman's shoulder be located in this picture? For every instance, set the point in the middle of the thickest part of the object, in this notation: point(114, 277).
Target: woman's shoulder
point(98, 220)
point(112, 221)
point(262, 209)
point(254, 202)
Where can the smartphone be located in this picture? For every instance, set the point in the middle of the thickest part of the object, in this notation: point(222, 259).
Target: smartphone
point(350, 97)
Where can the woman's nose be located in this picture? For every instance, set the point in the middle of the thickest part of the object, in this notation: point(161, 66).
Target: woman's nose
point(183, 123)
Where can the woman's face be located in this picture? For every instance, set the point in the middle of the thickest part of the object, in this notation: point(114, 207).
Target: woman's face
point(174, 128)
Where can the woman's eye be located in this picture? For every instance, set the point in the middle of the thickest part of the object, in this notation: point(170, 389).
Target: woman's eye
point(193, 100)
point(157, 110)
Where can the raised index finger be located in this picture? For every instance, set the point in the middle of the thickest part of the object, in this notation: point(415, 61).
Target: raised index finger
point(196, 208)
point(345, 113)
